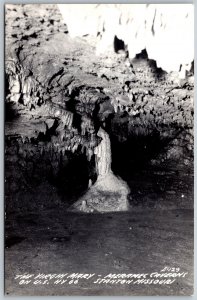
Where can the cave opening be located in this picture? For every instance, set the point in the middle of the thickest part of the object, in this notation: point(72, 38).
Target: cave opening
point(134, 154)
point(130, 160)
point(72, 177)
point(131, 156)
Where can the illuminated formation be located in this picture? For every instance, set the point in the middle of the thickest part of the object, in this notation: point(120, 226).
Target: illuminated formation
point(139, 26)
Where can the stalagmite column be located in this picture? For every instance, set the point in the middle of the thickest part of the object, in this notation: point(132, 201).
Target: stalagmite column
point(103, 154)
point(109, 192)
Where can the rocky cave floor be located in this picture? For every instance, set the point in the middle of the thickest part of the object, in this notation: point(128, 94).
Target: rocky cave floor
point(40, 234)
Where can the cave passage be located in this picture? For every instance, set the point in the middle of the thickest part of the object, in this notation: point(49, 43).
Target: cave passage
point(72, 177)
point(129, 159)
point(134, 154)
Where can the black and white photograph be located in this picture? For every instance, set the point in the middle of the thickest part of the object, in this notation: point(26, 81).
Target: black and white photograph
point(99, 149)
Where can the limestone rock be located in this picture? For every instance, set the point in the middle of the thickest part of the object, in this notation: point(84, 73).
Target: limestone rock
point(62, 83)
point(103, 154)
point(165, 31)
point(109, 193)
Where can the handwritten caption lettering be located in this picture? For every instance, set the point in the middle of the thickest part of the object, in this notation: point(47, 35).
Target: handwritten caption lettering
point(166, 276)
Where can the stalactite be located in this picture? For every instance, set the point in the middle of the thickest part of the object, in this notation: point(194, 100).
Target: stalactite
point(86, 125)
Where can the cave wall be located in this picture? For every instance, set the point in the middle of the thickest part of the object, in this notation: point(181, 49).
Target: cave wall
point(58, 95)
point(165, 31)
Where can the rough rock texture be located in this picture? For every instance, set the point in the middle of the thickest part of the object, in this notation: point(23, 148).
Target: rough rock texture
point(59, 96)
point(65, 109)
point(109, 193)
point(166, 33)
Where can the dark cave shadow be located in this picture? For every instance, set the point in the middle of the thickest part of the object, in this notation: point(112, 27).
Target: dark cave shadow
point(119, 45)
point(72, 178)
point(159, 73)
point(130, 159)
point(10, 112)
point(136, 151)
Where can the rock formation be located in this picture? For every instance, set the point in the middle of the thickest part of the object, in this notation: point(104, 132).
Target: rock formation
point(167, 33)
point(109, 193)
point(103, 154)
point(64, 103)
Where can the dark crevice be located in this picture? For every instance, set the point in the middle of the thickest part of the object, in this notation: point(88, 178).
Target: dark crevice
point(72, 177)
point(10, 112)
point(158, 72)
point(118, 44)
point(56, 75)
point(27, 37)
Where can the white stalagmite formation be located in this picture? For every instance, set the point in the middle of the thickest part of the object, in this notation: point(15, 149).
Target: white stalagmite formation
point(166, 31)
point(103, 154)
point(108, 193)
